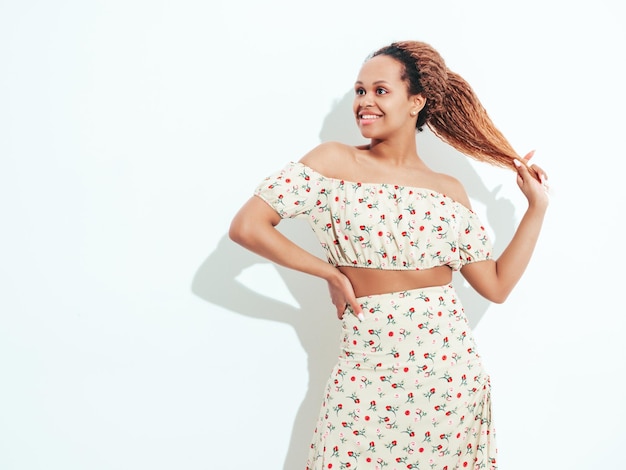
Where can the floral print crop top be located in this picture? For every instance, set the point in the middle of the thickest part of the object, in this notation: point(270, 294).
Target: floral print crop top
point(378, 225)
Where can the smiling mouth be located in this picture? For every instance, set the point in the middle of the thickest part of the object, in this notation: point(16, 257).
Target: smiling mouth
point(368, 117)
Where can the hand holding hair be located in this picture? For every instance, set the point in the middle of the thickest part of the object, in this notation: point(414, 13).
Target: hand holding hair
point(531, 179)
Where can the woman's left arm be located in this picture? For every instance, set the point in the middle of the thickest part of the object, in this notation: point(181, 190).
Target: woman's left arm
point(495, 280)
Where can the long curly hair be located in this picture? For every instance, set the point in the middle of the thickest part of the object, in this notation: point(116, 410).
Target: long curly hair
point(452, 110)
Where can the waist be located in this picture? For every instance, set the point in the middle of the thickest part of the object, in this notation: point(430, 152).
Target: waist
point(368, 281)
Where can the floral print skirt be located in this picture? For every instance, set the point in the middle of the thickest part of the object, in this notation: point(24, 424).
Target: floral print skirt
point(409, 390)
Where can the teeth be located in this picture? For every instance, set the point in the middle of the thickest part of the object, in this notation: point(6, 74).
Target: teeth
point(369, 116)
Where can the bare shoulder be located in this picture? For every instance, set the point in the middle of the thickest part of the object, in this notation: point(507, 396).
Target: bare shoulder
point(329, 158)
point(454, 189)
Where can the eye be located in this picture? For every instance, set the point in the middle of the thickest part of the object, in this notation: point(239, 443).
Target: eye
point(359, 91)
point(381, 91)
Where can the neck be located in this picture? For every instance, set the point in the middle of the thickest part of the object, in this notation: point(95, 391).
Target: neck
point(397, 152)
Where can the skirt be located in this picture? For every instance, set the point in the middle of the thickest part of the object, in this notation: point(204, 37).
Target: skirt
point(409, 390)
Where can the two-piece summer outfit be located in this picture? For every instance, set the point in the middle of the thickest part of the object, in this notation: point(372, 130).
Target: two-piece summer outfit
point(409, 390)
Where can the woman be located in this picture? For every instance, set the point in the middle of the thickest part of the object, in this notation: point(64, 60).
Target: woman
point(409, 389)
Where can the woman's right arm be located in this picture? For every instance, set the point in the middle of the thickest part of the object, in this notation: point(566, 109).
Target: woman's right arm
point(254, 228)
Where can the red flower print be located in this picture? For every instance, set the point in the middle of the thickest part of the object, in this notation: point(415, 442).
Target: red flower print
point(383, 237)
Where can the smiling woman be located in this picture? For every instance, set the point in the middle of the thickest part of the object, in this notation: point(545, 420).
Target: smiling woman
point(377, 98)
point(409, 389)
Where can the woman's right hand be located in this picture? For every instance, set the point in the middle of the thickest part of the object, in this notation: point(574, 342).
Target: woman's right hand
point(342, 296)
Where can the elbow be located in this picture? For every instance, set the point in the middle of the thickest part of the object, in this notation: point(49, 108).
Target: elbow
point(237, 232)
point(497, 299)
point(246, 231)
point(250, 225)
point(497, 296)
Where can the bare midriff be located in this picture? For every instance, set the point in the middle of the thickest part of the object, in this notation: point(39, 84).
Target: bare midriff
point(368, 281)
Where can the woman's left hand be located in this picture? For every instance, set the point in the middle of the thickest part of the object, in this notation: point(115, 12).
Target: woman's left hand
point(532, 180)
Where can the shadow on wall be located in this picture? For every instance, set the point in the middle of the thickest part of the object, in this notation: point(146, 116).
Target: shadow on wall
point(315, 324)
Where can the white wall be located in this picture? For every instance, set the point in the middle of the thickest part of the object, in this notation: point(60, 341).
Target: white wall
point(134, 335)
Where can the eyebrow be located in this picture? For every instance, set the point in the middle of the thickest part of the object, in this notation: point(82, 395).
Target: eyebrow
point(377, 82)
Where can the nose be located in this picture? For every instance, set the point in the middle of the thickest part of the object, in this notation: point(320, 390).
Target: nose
point(365, 101)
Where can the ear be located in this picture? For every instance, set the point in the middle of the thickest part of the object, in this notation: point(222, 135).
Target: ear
point(419, 101)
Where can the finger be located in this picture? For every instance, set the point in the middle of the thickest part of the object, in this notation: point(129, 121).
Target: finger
point(340, 313)
point(531, 169)
point(360, 315)
point(534, 169)
point(357, 310)
point(535, 173)
point(540, 172)
point(523, 173)
point(521, 165)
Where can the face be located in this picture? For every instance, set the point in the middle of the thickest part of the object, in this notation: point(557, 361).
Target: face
point(382, 106)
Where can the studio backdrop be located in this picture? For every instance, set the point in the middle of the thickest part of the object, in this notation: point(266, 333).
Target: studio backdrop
point(135, 335)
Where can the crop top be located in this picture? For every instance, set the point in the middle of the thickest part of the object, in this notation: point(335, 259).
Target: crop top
point(378, 225)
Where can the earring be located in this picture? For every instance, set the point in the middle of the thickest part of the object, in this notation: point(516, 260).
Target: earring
point(413, 113)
